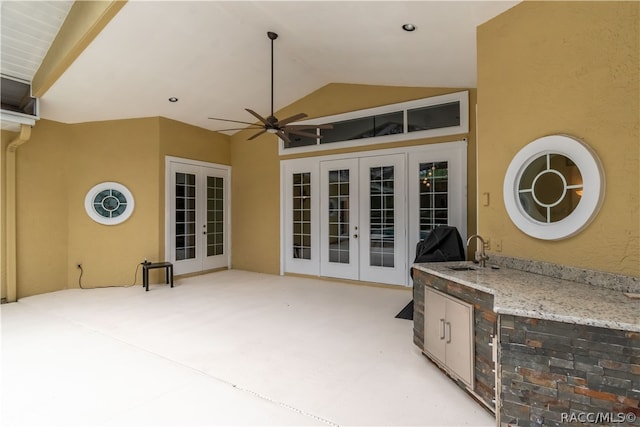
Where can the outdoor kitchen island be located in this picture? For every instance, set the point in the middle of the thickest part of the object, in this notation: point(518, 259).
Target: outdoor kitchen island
point(559, 352)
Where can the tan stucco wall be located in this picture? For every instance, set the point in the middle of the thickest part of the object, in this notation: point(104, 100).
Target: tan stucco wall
point(57, 167)
point(256, 166)
point(123, 151)
point(41, 210)
point(572, 68)
point(5, 138)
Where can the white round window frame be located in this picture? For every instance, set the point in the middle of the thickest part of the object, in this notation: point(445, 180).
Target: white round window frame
point(95, 190)
point(593, 185)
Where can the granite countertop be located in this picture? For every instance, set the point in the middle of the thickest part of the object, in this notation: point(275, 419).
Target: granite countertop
point(532, 295)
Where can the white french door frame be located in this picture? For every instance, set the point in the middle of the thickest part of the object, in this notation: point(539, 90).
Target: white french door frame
point(300, 264)
point(202, 264)
point(369, 272)
point(350, 235)
point(453, 152)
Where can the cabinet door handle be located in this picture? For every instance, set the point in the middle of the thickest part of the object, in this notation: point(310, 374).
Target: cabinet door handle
point(449, 328)
point(441, 329)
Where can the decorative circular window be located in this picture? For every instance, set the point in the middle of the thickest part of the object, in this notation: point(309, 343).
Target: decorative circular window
point(109, 203)
point(554, 187)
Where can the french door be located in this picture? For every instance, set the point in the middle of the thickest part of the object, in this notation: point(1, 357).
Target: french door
point(362, 225)
point(437, 190)
point(197, 217)
point(360, 218)
point(339, 244)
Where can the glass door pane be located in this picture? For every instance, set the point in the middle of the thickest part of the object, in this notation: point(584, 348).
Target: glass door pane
point(381, 216)
point(185, 216)
point(434, 196)
point(301, 212)
point(215, 216)
point(338, 205)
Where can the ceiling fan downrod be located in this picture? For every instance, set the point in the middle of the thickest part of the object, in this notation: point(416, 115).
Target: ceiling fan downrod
point(271, 124)
point(272, 36)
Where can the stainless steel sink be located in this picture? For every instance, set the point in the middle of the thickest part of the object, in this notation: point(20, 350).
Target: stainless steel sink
point(471, 268)
point(461, 268)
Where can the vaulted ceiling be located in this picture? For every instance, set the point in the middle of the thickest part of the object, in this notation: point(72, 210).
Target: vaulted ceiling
point(214, 55)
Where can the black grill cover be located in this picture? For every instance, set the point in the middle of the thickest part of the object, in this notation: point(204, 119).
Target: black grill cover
point(442, 244)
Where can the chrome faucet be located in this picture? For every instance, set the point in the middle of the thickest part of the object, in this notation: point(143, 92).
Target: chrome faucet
point(482, 258)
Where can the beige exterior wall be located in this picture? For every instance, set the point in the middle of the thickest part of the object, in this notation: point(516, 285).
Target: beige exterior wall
point(41, 211)
point(57, 167)
point(256, 166)
point(123, 151)
point(572, 68)
point(5, 138)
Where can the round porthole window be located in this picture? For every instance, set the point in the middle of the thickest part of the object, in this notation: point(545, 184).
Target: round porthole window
point(109, 203)
point(554, 187)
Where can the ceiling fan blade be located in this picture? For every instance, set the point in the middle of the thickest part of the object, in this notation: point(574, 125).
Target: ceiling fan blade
point(258, 116)
point(257, 134)
point(296, 132)
point(225, 130)
point(233, 121)
point(283, 136)
point(297, 117)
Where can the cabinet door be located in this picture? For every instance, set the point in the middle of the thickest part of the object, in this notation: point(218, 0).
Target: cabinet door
point(434, 324)
point(459, 336)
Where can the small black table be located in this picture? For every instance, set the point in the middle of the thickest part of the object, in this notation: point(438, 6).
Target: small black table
point(168, 272)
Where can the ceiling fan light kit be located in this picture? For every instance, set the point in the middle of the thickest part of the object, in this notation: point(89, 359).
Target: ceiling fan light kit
point(271, 124)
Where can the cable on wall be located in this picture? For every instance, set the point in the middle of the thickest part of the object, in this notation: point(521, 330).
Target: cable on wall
point(135, 279)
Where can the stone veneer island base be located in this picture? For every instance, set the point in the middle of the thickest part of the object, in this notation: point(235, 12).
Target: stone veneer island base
point(567, 352)
point(551, 372)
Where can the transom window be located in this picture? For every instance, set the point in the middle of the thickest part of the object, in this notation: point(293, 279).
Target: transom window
point(422, 118)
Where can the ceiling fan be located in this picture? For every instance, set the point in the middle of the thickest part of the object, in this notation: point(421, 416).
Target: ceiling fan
point(272, 124)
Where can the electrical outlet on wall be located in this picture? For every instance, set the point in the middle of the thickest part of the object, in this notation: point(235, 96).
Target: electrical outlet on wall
point(498, 246)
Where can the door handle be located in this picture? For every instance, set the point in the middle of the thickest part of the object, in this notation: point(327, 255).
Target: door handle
point(441, 329)
point(449, 328)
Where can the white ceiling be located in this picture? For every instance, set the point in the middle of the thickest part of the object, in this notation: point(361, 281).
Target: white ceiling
point(214, 55)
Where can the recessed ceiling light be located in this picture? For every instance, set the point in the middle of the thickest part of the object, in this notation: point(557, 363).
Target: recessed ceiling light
point(409, 27)
point(173, 99)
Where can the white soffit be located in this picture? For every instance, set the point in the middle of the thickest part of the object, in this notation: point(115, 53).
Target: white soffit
point(28, 29)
